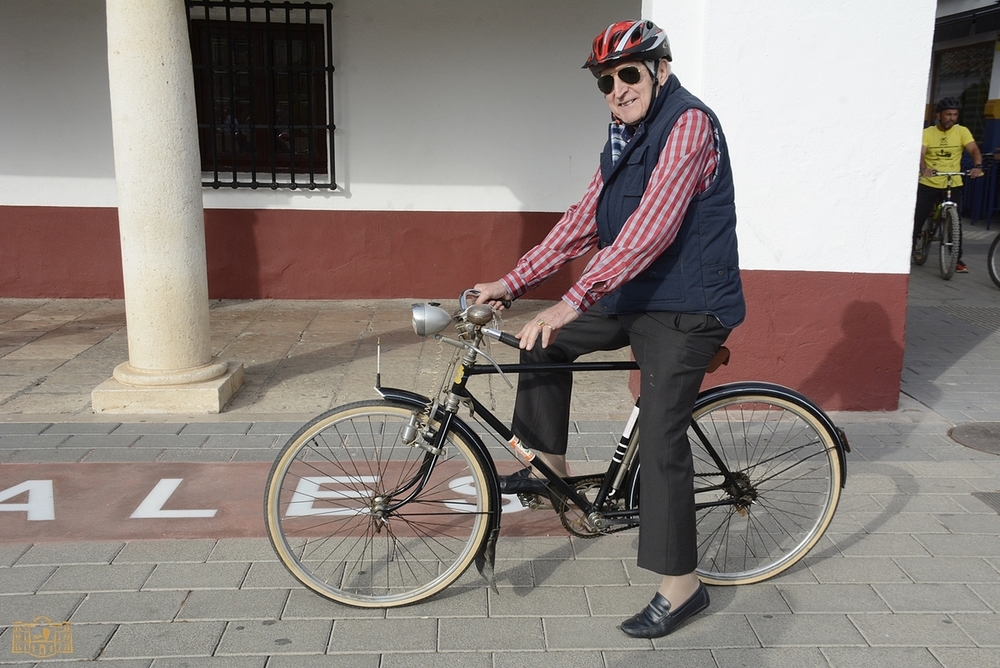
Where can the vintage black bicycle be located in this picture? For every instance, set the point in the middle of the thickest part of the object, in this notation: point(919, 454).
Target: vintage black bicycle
point(386, 502)
point(943, 225)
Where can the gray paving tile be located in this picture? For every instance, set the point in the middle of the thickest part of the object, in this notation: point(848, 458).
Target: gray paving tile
point(275, 637)
point(538, 601)
point(950, 569)
point(128, 577)
point(981, 628)
point(228, 575)
point(805, 630)
point(11, 552)
point(911, 630)
point(961, 657)
point(129, 606)
point(209, 662)
point(423, 660)
point(554, 572)
point(159, 640)
point(24, 579)
point(859, 570)
point(243, 549)
point(241, 442)
point(149, 428)
point(880, 657)
point(834, 598)
point(89, 441)
point(588, 633)
point(952, 545)
point(342, 661)
point(158, 551)
point(304, 604)
point(169, 442)
point(236, 428)
point(453, 602)
point(82, 428)
point(22, 428)
point(88, 642)
point(768, 657)
point(57, 607)
point(243, 604)
point(271, 575)
point(490, 634)
point(652, 659)
point(385, 635)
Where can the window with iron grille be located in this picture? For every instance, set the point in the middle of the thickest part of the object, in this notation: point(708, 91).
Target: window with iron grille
point(263, 74)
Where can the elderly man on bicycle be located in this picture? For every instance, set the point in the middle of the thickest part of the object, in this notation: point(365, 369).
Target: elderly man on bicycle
point(941, 151)
point(665, 281)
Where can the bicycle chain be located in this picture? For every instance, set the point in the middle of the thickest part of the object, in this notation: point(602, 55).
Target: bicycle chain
point(561, 506)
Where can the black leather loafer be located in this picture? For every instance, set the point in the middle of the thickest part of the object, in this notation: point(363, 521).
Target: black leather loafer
point(522, 482)
point(656, 620)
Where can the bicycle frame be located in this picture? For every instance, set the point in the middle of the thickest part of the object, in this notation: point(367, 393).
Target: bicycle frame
point(618, 467)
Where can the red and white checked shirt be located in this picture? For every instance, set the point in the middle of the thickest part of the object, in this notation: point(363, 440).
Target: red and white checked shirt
point(685, 168)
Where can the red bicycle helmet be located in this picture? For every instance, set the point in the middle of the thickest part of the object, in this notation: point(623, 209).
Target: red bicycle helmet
point(628, 40)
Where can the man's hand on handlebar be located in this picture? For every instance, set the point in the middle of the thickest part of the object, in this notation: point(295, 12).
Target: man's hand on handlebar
point(975, 172)
point(494, 294)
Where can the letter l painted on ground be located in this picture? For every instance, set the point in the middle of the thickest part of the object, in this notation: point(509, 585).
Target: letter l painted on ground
point(152, 506)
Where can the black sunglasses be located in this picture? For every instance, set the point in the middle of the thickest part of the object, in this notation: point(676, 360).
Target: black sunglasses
point(629, 75)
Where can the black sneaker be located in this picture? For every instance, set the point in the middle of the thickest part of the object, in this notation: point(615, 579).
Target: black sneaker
point(522, 482)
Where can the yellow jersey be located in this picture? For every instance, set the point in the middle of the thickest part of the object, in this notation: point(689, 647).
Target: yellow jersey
point(944, 153)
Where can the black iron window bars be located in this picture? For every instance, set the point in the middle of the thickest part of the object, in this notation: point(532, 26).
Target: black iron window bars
point(264, 90)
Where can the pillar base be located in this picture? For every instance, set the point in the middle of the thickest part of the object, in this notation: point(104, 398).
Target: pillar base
point(205, 397)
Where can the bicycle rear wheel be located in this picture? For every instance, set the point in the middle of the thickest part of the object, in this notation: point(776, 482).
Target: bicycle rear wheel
point(788, 482)
point(993, 261)
point(362, 518)
point(951, 229)
point(923, 244)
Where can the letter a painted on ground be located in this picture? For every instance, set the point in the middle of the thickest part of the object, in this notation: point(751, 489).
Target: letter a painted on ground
point(40, 504)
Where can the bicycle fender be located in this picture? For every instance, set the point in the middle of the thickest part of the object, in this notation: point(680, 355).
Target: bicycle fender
point(487, 553)
point(728, 390)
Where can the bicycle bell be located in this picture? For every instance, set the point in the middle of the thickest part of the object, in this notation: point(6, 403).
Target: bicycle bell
point(429, 319)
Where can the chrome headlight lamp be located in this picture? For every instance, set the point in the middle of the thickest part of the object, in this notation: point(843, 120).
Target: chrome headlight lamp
point(429, 319)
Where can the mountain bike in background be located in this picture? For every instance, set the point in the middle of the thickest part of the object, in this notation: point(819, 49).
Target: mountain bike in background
point(944, 225)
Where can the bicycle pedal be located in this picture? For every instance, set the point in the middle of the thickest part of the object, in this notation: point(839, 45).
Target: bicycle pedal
point(534, 502)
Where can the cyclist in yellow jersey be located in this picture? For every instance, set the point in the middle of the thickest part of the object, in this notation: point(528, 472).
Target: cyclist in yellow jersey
point(941, 151)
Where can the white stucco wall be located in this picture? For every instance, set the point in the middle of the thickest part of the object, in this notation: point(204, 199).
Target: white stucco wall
point(822, 104)
point(443, 105)
point(457, 105)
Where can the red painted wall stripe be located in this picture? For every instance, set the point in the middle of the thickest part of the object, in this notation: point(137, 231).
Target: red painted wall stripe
point(838, 337)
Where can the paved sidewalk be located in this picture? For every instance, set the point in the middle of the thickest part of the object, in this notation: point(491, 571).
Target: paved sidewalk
point(907, 575)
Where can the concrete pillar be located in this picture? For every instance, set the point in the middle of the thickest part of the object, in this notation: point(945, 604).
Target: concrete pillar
point(160, 219)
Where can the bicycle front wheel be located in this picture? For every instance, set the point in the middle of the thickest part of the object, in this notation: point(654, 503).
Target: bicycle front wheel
point(951, 229)
point(922, 246)
point(363, 518)
point(993, 261)
point(786, 488)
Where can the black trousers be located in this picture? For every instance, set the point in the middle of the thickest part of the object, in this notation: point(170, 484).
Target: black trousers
point(673, 351)
point(927, 198)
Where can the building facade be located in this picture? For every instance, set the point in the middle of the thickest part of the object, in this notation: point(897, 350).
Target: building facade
point(452, 134)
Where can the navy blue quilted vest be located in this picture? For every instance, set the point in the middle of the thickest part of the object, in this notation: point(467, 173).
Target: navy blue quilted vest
point(699, 272)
